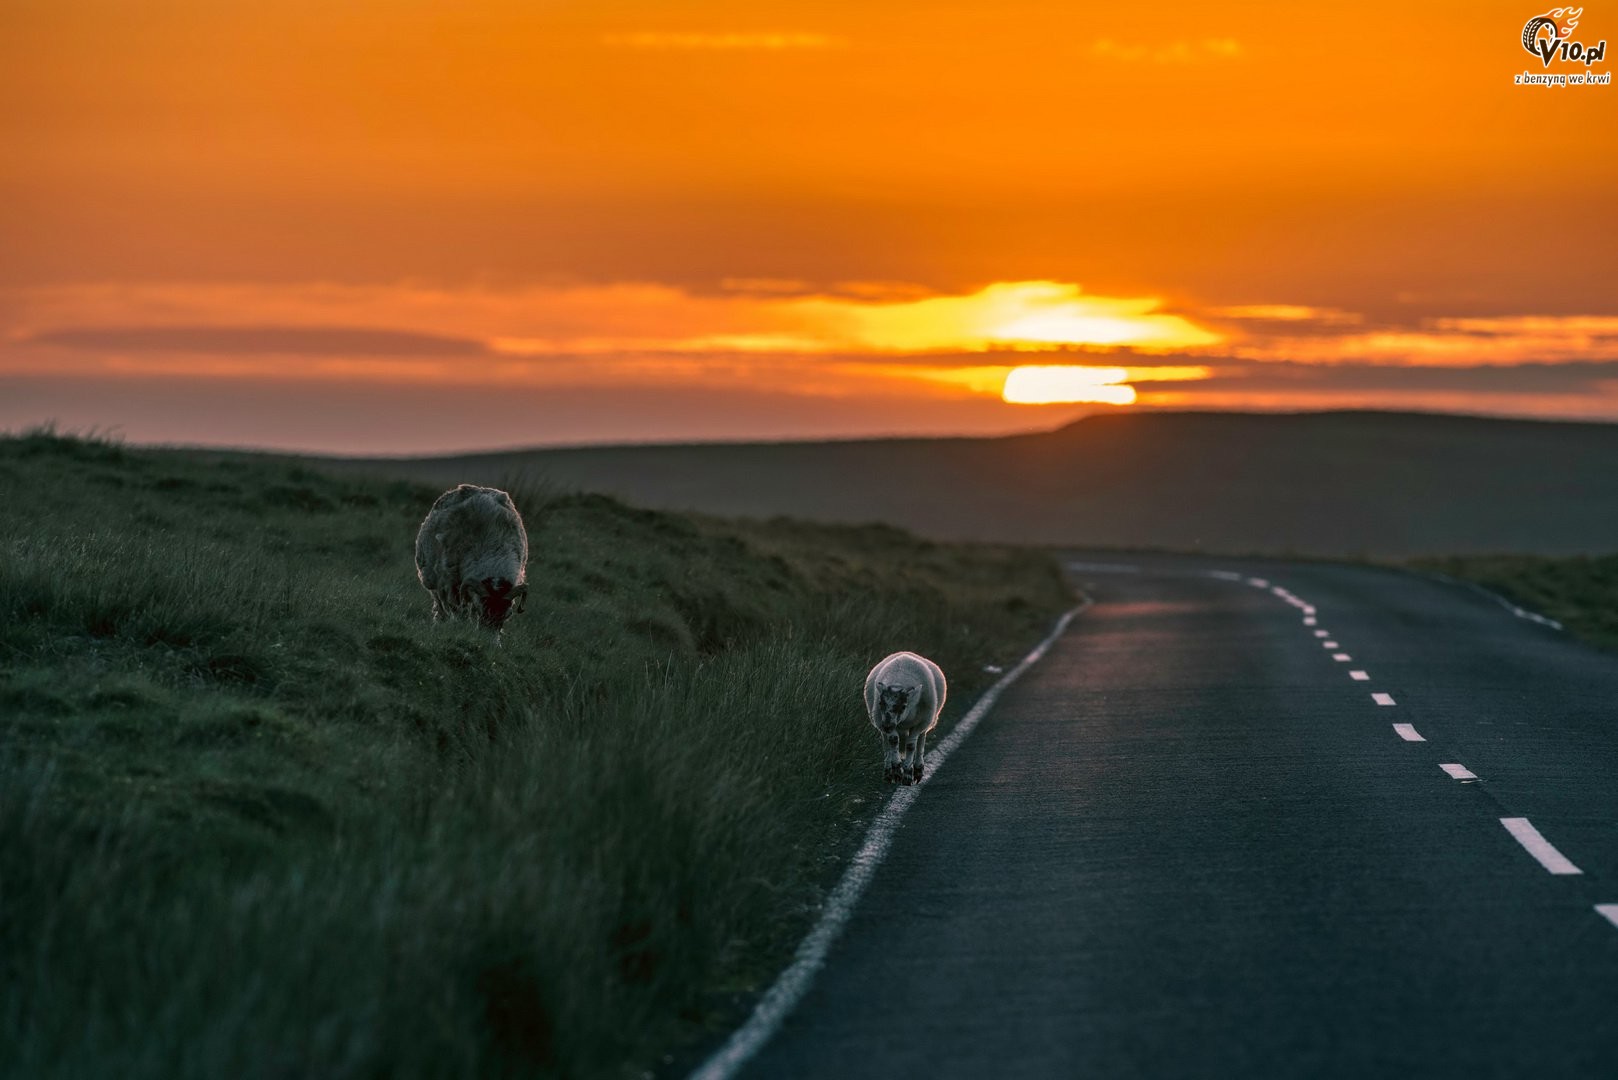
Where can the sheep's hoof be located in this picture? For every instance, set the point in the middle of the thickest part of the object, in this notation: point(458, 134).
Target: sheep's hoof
point(915, 775)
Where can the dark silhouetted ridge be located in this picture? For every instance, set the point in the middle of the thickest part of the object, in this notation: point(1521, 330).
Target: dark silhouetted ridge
point(1332, 483)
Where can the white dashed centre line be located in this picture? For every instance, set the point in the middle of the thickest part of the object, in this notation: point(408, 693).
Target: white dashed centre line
point(1408, 733)
point(1341, 657)
point(1382, 699)
point(1539, 847)
point(1258, 583)
point(1322, 633)
point(1330, 645)
point(1309, 620)
point(1308, 609)
point(1360, 676)
point(1459, 772)
point(1608, 912)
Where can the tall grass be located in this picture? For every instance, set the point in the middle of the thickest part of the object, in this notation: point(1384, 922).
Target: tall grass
point(260, 817)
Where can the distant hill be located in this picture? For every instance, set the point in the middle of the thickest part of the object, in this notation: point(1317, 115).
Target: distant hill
point(1334, 483)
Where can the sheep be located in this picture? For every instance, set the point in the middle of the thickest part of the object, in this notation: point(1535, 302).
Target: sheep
point(904, 695)
point(472, 556)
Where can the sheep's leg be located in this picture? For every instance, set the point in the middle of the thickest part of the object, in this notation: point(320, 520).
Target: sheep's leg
point(917, 762)
point(890, 757)
point(906, 769)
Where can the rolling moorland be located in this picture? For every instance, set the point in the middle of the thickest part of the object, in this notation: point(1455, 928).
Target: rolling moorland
point(1343, 484)
point(263, 818)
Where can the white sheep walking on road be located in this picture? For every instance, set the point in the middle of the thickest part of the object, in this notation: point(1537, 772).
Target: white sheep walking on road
point(904, 695)
point(472, 556)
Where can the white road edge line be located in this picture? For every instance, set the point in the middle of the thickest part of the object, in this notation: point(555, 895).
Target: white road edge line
point(1523, 613)
point(1360, 676)
point(1383, 699)
point(1459, 772)
point(1408, 733)
point(1608, 912)
point(791, 985)
point(1520, 612)
point(1537, 846)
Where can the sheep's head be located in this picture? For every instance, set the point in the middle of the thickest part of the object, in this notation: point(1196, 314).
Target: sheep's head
point(895, 703)
point(496, 600)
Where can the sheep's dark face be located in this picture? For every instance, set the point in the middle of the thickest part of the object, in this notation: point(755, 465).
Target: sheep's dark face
point(495, 600)
point(893, 703)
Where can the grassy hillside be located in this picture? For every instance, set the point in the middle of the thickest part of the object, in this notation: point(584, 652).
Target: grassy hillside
point(262, 818)
point(1580, 593)
point(1345, 484)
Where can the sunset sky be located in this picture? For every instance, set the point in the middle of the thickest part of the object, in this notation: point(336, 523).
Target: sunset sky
point(421, 225)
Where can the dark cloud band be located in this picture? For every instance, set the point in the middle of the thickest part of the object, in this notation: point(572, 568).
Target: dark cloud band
point(261, 340)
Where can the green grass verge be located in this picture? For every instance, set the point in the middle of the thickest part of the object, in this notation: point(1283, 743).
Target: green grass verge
point(1581, 593)
point(262, 818)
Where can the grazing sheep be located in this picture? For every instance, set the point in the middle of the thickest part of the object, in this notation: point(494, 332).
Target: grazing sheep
point(904, 695)
point(472, 556)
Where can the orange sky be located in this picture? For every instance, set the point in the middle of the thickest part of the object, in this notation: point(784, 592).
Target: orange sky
point(604, 221)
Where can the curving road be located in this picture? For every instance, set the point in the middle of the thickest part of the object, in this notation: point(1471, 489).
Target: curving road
point(1251, 819)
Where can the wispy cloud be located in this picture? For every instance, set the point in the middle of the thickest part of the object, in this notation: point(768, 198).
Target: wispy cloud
point(767, 286)
point(756, 317)
point(772, 40)
point(1591, 328)
point(1468, 342)
point(260, 340)
point(1173, 52)
point(1285, 313)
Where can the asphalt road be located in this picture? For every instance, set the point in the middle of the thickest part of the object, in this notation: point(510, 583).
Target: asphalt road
point(1191, 842)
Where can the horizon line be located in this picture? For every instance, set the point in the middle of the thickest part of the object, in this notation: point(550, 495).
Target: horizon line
point(110, 434)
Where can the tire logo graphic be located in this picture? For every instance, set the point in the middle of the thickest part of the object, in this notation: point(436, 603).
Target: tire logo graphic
point(1530, 33)
point(1561, 22)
